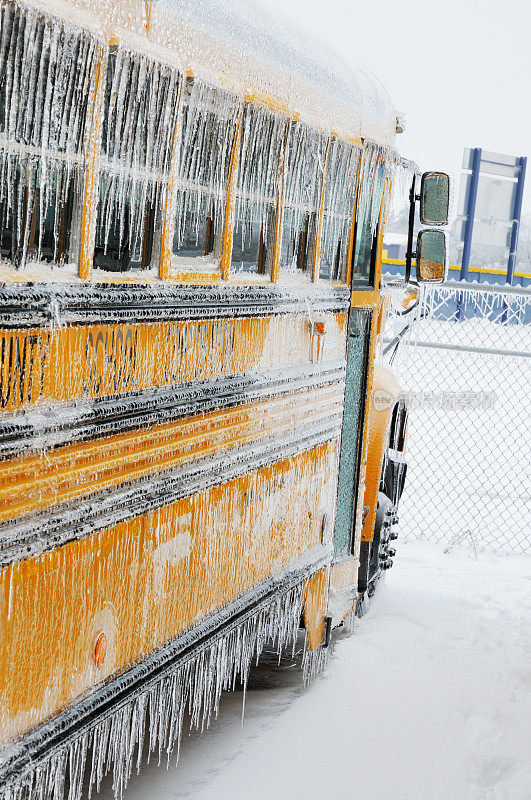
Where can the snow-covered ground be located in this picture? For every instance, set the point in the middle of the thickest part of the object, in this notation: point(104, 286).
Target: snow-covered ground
point(428, 699)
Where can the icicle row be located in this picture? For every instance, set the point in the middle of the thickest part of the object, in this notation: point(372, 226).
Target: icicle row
point(313, 663)
point(376, 163)
point(263, 139)
point(340, 196)
point(118, 742)
point(304, 169)
point(209, 124)
point(139, 117)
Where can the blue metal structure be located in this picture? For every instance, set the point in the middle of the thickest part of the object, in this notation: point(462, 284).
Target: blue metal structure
point(517, 214)
point(470, 212)
point(484, 163)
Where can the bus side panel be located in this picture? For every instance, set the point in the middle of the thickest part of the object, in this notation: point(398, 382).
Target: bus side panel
point(145, 580)
point(95, 361)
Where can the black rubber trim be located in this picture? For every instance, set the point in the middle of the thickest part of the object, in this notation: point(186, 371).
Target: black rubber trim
point(44, 429)
point(37, 746)
point(39, 533)
point(37, 305)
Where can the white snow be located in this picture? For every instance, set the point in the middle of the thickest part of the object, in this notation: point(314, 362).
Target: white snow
point(426, 700)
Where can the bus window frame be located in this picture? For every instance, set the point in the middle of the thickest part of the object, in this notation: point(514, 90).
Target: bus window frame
point(178, 267)
point(270, 272)
point(312, 216)
point(344, 279)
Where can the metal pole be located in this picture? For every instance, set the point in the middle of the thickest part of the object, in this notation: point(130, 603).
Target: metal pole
point(471, 210)
point(517, 213)
point(411, 225)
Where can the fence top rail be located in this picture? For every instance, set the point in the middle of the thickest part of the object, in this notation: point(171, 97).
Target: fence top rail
point(460, 348)
point(483, 288)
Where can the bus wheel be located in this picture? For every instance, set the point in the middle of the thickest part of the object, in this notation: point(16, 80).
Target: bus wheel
point(376, 557)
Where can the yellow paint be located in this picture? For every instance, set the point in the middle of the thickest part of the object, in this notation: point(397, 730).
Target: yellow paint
point(38, 482)
point(270, 102)
point(385, 393)
point(315, 597)
point(456, 268)
point(144, 581)
point(58, 364)
point(149, 8)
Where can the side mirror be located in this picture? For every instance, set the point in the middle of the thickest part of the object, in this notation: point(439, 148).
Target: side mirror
point(431, 256)
point(434, 198)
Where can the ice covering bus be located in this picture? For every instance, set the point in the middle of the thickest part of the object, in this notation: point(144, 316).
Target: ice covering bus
point(192, 464)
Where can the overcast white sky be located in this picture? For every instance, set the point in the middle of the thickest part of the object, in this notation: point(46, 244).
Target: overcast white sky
point(459, 70)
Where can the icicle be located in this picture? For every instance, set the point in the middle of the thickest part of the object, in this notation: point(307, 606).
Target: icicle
point(263, 139)
point(313, 663)
point(375, 164)
point(117, 742)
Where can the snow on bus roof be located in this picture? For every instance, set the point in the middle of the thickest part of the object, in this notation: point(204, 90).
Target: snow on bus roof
point(291, 64)
point(251, 49)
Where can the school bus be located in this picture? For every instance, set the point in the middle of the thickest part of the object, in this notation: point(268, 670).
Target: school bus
point(193, 464)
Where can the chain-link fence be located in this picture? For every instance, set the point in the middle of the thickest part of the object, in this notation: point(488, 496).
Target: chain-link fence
point(465, 367)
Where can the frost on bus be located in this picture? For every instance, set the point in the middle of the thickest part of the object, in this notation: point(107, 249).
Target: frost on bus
point(46, 69)
point(140, 110)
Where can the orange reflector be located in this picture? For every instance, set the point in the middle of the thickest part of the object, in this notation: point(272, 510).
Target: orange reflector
point(100, 649)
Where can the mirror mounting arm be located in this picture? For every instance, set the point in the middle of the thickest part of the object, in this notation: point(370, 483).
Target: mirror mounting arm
point(410, 255)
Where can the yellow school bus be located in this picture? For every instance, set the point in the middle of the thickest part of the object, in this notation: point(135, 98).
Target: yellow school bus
point(192, 462)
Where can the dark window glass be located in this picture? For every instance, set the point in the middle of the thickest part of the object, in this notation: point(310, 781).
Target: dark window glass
point(34, 228)
point(251, 254)
point(364, 253)
point(298, 244)
point(262, 143)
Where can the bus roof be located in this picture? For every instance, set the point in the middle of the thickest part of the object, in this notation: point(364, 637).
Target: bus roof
point(251, 49)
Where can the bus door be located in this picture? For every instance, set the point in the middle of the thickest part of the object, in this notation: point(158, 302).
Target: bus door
point(352, 432)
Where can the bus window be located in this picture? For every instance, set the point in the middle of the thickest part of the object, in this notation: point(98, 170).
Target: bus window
point(139, 115)
point(366, 236)
point(338, 208)
point(263, 139)
point(43, 128)
point(208, 128)
point(304, 168)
